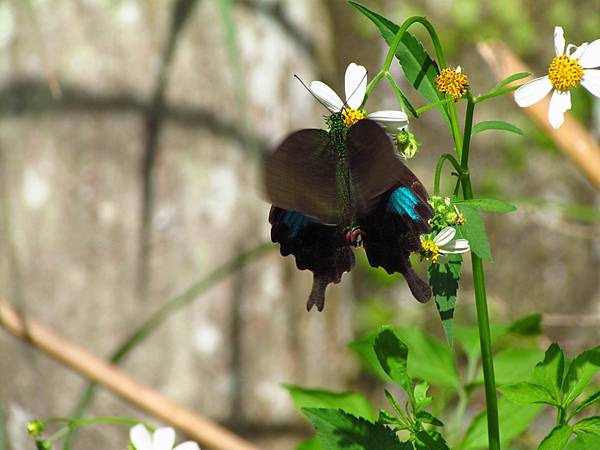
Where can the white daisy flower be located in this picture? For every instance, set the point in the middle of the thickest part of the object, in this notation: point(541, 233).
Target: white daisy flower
point(161, 439)
point(443, 243)
point(356, 87)
point(571, 67)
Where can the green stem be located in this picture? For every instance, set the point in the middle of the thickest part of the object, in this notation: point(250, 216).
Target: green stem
point(438, 170)
point(429, 106)
point(483, 320)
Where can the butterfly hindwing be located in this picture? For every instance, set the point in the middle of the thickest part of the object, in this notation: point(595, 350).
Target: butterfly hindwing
point(317, 247)
point(300, 175)
point(392, 233)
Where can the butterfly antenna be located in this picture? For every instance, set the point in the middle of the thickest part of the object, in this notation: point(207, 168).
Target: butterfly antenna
point(355, 89)
point(311, 92)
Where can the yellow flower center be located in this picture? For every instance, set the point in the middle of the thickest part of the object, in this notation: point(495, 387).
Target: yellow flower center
point(351, 116)
point(452, 82)
point(565, 73)
point(430, 250)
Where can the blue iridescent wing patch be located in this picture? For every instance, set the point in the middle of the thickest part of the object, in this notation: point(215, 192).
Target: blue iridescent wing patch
point(403, 201)
point(295, 221)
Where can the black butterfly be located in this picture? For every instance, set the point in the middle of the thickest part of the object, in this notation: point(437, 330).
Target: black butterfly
point(343, 188)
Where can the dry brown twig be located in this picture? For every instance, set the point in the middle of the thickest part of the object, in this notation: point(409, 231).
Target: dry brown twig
point(199, 428)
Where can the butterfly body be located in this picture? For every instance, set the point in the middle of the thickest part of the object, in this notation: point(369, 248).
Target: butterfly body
point(344, 188)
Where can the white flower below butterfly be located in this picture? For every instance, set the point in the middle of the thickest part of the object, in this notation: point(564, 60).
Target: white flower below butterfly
point(161, 439)
point(571, 67)
point(442, 244)
point(355, 89)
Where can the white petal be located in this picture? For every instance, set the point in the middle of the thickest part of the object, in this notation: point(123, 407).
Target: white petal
point(457, 246)
point(579, 51)
point(327, 95)
point(355, 85)
point(444, 236)
point(559, 41)
point(559, 103)
point(533, 91)
point(390, 120)
point(164, 438)
point(591, 56)
point(591, 81)
point(189, 445)
point(140, 437)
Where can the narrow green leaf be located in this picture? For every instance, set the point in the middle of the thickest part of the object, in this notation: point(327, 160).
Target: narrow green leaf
point(549, 373)
point(487, 204)
point(557, 439)
point(584, 441)
point(349, 402)
point(393, 402)
point(426, 417)
point(514, 419)
point(310, 444)
point(581, 371)
point(594, 398)
point(589, 424)
point(443, 279)
point(338, 430)
point(387, 418)
point(508, 80)
point(418, 67)
point(474, 231)
point(430, 360)
point(498, 125)
point(525, 392)
point(392, 354)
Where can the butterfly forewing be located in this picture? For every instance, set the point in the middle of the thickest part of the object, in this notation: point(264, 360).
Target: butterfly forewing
point(374, 166)
point(300, 175)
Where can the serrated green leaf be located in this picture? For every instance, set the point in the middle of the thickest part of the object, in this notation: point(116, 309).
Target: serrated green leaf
point(510, 79)
point(430, 360)
point(430, 440)
point(487, 204)
point(589, 424)
point(474, 231)
point(427, 417)
point(557, 439)
point(338, 430)
point(443, 279)
point(525, 392)
point(514, 419)
point(392, 354)
point(310, 444)
point(581, 371)
point(594, 398)
point(584, 441)
point(418, 67)
point(352, 403)
point(549, 373)
point(498, 125)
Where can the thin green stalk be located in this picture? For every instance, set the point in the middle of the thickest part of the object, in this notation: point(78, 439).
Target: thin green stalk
point(483, 320)
point(438, 170)
point(429, 106)
point(168, 309)
point(492, 94)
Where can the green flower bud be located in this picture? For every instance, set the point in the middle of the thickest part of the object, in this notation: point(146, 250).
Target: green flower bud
point(35, 427)
point(407, 144)
point(42, 444)
point(451, 217)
